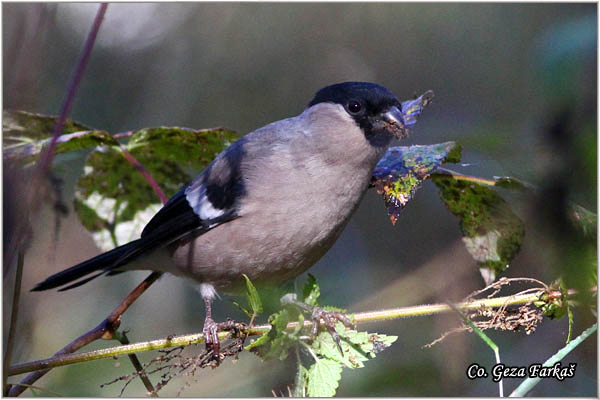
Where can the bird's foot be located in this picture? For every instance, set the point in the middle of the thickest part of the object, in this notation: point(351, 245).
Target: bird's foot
point(329, 319)
point(211, 333)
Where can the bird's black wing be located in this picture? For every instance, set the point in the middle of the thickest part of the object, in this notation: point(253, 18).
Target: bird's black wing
point(174, 221)
point(209, 201)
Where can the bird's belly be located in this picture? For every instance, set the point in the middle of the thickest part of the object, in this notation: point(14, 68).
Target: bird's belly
point(269, 245)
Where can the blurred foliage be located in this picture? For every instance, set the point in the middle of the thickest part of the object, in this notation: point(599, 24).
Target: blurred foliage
point(492, 232)
point(25, 135)
point(19, 126)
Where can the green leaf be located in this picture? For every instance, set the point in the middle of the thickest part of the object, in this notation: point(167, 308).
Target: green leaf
point(33, 127)
point(357, 346)
point(402, 170)
point(491, 231)
point(253, 297)
point(584, 219)
point(556, 307)
point(190, 148)
point(276, 343)
point(242, 309)
point(323, 378)
point(114, 201)
point(26, 134)
point(311, 291)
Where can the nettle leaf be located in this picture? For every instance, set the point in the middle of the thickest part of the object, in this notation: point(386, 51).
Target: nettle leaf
point(277, 343)
point(358, 346)
point(325, 374)
point(114, 201)
point(253, 297)
point(311, 291)
point(324, 378)
point(402, 170)
point(492, 232)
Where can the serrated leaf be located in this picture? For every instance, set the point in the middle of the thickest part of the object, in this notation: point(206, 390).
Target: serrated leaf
point(114, 201)
point(358, 346)
point(253, 297)
point(242, 309)
point(323, 378)
point(402, 170)
point(491, 231)
point(276, 343)
point(311, 291)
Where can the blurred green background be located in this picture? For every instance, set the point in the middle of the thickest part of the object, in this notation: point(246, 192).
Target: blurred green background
point(514, 83)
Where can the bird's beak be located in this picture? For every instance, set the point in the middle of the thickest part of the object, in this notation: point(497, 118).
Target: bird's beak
point(394, 122)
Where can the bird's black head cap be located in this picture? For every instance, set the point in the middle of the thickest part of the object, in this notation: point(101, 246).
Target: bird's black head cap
point(366, 103)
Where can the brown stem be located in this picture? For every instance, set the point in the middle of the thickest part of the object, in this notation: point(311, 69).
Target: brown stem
point(84, 56)
point(13, 321)
point(123, 339)
point(142, 170)
point(104, 330)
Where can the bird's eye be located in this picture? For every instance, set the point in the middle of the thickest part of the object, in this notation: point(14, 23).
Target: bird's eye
point(354, 106)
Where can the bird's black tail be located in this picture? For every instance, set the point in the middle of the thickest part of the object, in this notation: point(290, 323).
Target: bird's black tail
point(104, 262)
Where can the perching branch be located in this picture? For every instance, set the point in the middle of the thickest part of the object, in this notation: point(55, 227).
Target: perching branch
point(105, 330)
point(186, 340)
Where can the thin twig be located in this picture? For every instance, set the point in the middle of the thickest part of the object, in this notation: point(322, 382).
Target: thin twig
point(122, 337)
point(133, 161)
point(84, 57)
point(14, 312)
point(104, 330)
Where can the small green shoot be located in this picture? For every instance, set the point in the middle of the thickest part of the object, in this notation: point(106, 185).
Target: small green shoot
point(528, 384)
point(487, 341)
point(253, 297)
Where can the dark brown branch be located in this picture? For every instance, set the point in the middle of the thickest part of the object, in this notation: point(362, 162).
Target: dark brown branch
point(105, 330)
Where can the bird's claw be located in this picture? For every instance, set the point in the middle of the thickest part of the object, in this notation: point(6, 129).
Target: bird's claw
point(329, 320)
point(211, 333)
